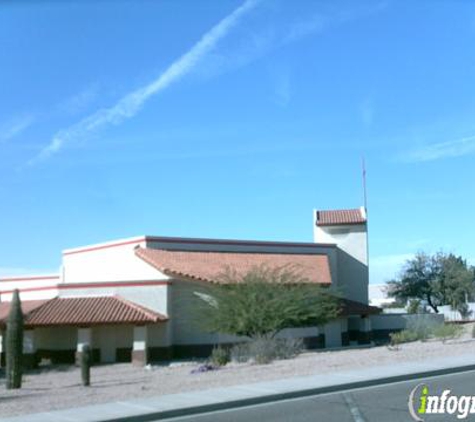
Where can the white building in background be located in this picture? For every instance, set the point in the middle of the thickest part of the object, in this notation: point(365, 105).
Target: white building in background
point(132, 299)
point(378, 295)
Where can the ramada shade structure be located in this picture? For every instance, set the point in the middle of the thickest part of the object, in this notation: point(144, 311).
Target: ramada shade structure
point(82, 311)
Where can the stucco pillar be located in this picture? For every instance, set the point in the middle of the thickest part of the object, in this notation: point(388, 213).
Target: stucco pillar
point(345, 337)
point(332, 332)
point(84, 337)
point(140, 346)
point(29, 349)
point(2, 356)
point(365, 330)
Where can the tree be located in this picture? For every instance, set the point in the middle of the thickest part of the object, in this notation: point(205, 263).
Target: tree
point(458, 283)
point(264, 301)
point(14, 343)
point(438, 280)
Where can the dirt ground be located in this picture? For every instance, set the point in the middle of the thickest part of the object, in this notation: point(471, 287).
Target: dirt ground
point(59, 387)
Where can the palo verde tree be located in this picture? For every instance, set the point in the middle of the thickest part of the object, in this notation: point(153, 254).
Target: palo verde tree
point(440, 279)
point(264, 301)
point(14, 343)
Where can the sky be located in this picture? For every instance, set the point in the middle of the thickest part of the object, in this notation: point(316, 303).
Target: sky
point(235, 119)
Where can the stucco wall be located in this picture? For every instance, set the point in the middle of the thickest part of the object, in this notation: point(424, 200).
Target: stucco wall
point(114, 263)
point(187, 331)
point(153, 297)
point(352, 262)
point(32, 295)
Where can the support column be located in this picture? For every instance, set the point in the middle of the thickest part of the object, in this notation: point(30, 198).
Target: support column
point(140, 346)
point(345, 337)
point(29, 349)
point(333, 334)
point(2, 349)
point(84, 337)
point(365, 330)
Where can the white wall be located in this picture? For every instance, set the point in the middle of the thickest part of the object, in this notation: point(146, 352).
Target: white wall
point(152, 297)
point(32, 295)
point(352, 261)
point(400, 321)
point(451, 315)
point(109, 338)
point(115, 263)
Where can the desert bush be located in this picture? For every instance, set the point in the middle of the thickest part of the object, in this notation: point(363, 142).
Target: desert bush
point(262, 302)
point(404, 336)
point(447, 332)
point(423, 325)
point(288, 348)
point(219, 356)
point(263, 350)
point(240, 353)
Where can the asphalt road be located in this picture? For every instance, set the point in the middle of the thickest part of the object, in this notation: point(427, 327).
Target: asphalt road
point(378, 404)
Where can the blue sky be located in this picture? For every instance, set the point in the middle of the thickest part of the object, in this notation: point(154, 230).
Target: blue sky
point(235, 119)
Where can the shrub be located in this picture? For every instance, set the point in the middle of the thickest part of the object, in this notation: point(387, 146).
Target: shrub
point(422, 325)
point(288, 348)
point(448, 332)
point(262, 302)
point(264, 350)
point(404, 336)
point(240, 353)
point(219, 356)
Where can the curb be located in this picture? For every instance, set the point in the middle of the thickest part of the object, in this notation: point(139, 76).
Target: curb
point(234, 404)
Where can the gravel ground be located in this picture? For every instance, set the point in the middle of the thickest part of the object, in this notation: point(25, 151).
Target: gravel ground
point(59, 387)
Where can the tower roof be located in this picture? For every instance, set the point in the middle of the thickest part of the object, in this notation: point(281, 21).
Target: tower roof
point(340, 217)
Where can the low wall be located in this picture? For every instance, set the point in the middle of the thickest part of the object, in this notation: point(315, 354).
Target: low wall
point(384, 324)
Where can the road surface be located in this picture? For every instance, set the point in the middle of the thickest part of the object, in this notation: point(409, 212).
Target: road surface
point(386, 403)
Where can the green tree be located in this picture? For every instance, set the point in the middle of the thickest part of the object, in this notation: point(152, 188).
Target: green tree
point(458, 283)
point(439, 279)
point(264, 301)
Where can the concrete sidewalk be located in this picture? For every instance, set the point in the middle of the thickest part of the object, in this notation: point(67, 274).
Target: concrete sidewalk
point(150, 409)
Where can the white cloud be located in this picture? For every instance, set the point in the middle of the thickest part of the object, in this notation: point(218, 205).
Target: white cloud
point(131, 103)
point(437, 151)
point(15, 126)
point(385, 267)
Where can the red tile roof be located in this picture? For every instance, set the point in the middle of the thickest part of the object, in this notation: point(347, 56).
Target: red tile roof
point(27, 306)
point(337, 217)
point(206, 266)
point(83, 311)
